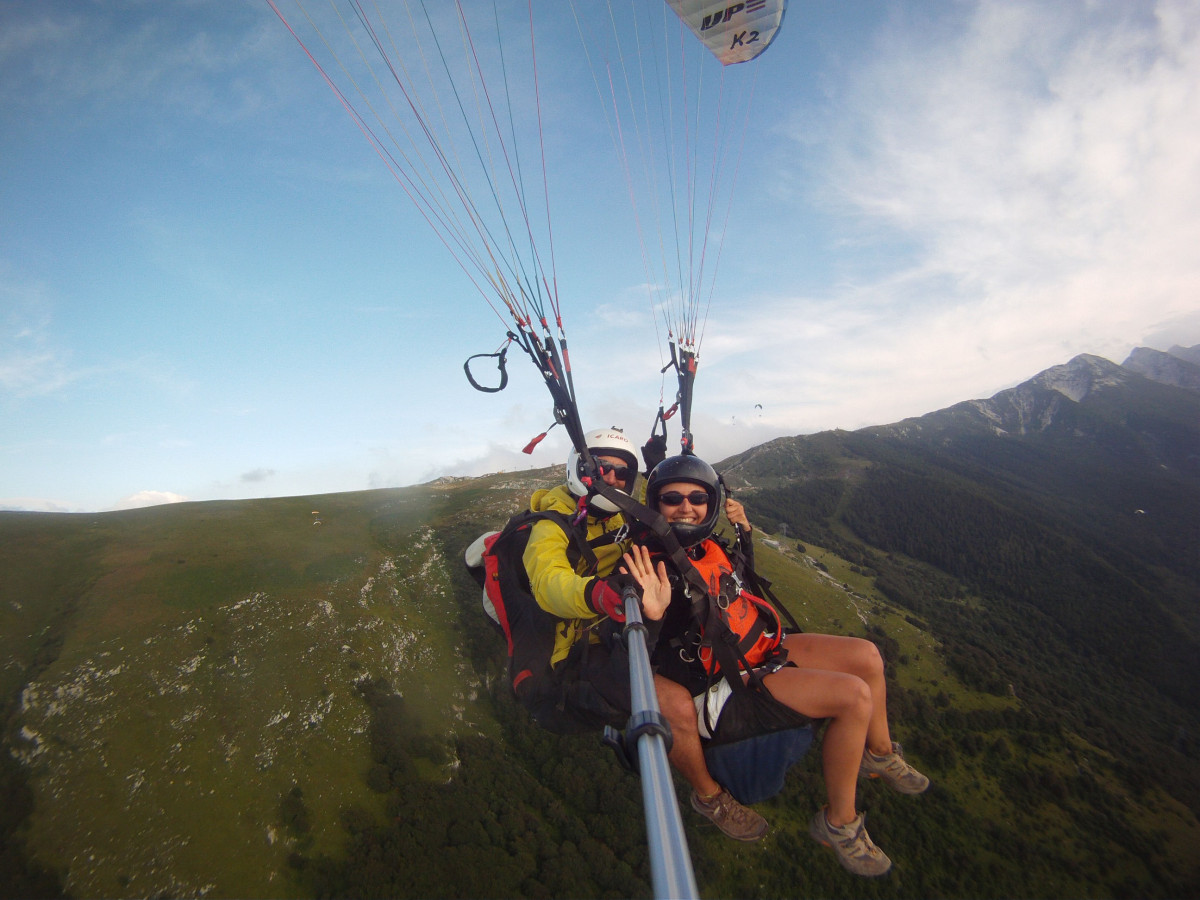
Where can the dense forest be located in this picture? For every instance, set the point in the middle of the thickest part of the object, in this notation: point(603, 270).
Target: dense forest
point(541, 815)
point(1057, 613)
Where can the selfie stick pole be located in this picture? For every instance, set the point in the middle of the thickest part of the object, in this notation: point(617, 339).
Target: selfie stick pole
point(670, 861)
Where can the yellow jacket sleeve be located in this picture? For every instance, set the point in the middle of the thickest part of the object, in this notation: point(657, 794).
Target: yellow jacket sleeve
point(556, 586)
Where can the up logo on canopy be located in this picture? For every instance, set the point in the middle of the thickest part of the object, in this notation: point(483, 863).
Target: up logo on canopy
point(729, 12)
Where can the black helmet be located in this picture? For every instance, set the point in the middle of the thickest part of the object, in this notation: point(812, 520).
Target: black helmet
point(696, 471)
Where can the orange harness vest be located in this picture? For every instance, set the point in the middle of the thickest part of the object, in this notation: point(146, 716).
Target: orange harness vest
point(754, 621)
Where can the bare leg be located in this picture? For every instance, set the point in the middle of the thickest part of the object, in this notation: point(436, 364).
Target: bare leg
point(686, 754)
point(854, 656)
point(846, 701)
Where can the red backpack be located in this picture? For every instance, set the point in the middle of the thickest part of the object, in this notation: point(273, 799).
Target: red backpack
point(496, 560)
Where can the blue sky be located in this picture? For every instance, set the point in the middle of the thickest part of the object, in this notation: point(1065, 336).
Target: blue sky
point(211, 287)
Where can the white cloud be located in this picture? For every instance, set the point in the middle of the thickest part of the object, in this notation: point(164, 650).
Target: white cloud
point(149, 498)
point(1041, 163)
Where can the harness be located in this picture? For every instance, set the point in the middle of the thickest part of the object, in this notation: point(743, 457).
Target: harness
point(706, 610)
point(528, 629)
point(753, 627)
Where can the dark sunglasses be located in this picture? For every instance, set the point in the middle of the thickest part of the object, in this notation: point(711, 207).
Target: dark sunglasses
point(674, 498)
point(622, 472)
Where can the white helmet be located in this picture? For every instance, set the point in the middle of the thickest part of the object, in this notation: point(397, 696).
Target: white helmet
point(602, 442)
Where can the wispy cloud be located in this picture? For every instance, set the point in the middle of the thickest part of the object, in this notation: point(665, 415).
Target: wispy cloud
point(30, 362)
point(53, 55)
point(1039, 166)
point(26, 374)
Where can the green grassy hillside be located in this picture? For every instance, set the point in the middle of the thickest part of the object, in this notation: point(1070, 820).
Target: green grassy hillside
point(174, 672)
point(232, 700)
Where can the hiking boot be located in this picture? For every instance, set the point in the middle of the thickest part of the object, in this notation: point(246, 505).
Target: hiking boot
point(895, 772)
point(851, 845)
point(738, 822)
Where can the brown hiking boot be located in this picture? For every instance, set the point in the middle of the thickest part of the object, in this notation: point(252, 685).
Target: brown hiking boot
point(895, 772)
point(851, 844)
point(739, 822)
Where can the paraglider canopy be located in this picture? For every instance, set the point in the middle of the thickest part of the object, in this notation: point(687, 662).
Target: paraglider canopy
point(734, 32)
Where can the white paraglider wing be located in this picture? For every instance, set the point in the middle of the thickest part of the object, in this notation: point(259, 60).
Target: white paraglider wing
point(734, 32)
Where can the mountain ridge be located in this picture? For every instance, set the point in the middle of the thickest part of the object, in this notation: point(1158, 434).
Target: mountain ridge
point(1179, 366)
point(1071, 500)
point(1033, 404)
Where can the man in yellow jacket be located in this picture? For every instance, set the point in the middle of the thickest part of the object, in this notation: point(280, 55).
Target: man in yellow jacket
point(589, 655)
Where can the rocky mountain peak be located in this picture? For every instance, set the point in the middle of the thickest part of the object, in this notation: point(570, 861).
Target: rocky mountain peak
point(1079, 377)
point(1037, 404)
point(1179, 367)
point(1034, 405)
